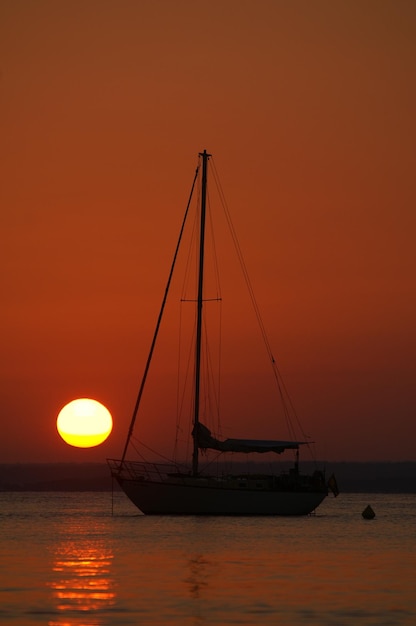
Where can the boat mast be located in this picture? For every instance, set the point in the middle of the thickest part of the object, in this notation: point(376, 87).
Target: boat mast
point(205, 156)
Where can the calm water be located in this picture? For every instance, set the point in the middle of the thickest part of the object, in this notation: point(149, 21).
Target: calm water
point(66, 561)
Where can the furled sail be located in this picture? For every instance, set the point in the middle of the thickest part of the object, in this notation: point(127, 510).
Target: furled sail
point(206, 440)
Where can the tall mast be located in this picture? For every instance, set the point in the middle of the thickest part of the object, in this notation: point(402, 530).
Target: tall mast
point(205, 156)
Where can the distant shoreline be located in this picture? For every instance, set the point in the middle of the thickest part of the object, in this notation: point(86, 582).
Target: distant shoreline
point(352, 477)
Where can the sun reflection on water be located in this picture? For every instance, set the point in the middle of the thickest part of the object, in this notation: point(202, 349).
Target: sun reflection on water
point(82, 585)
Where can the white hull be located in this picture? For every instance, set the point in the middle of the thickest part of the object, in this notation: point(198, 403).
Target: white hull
point(160, 498)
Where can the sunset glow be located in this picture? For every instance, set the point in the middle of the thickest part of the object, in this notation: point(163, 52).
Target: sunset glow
point(308, 111)
point(84, 423)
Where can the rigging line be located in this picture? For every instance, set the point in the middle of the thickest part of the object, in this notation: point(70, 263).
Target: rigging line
point(149, 358)
point(279, 381)
point(212, 461)
point(218, 289)
point(212, 386)
point(178, 465)
point(242, 263)
point(205, 300)
point(215, 263)
point(139, 454)
point(183, 384)
point(178, 424)
point(214, 381)
point(219, 371)
point(189, 259)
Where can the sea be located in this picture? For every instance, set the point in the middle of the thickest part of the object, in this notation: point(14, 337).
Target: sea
point(91, 559)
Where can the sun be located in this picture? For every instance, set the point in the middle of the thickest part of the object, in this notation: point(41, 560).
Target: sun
point(84, 423)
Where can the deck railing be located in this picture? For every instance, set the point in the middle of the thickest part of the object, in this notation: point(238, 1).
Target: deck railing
point(137, 470)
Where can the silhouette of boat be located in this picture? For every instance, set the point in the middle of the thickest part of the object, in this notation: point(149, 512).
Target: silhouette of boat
point(192, 488)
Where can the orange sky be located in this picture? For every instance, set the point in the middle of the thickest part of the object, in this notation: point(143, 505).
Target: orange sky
point(309, 111)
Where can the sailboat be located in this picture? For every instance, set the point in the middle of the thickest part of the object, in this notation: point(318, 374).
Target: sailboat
point(193, 488)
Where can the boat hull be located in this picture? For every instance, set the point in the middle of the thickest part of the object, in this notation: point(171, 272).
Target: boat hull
point(160, 498)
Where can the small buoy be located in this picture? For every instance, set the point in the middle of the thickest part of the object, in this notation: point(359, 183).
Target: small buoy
point(368, 513)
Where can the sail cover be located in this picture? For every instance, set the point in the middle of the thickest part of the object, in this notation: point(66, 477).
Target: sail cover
point(206, 440)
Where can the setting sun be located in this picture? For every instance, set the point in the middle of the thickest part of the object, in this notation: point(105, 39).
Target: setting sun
point(84, 423)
